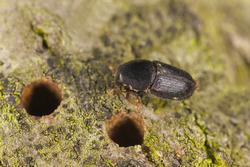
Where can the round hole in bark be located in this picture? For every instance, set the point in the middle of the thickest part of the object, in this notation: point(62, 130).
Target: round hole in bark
point(41, 97)
point(126, 129)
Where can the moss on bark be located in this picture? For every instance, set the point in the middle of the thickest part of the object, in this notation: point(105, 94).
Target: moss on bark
point(40, 40)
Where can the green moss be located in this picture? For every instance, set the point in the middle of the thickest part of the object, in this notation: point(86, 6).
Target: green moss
point(1, 149)
point(205, 130)
point(208, 163)
point(153, 146)
point(8, 109)
point(109, 163)
point(49, 28)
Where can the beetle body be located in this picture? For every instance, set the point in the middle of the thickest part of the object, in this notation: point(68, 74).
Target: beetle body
point(171, 82)
point(138, 75)
point(160, 79)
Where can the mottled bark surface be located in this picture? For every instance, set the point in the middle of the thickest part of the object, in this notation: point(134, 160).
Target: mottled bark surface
point(79, 44)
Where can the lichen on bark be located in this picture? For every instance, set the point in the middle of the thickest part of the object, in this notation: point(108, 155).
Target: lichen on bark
point(80, 44)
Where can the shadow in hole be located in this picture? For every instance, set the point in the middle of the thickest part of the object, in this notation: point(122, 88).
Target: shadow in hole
point(43, 99)
point(126, 133)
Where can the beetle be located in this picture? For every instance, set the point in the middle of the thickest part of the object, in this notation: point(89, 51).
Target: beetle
point(158, 78)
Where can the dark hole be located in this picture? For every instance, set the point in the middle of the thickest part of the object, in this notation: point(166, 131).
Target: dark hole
point(127, 134)
point(45, 44)
point(41, 97)
point(126, 130)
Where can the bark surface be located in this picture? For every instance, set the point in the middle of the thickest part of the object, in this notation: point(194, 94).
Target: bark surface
point(79, 45)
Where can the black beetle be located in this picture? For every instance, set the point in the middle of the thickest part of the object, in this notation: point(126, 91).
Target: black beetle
point(160, 79)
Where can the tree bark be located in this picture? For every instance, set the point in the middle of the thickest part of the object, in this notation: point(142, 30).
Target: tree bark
point(79, 44)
